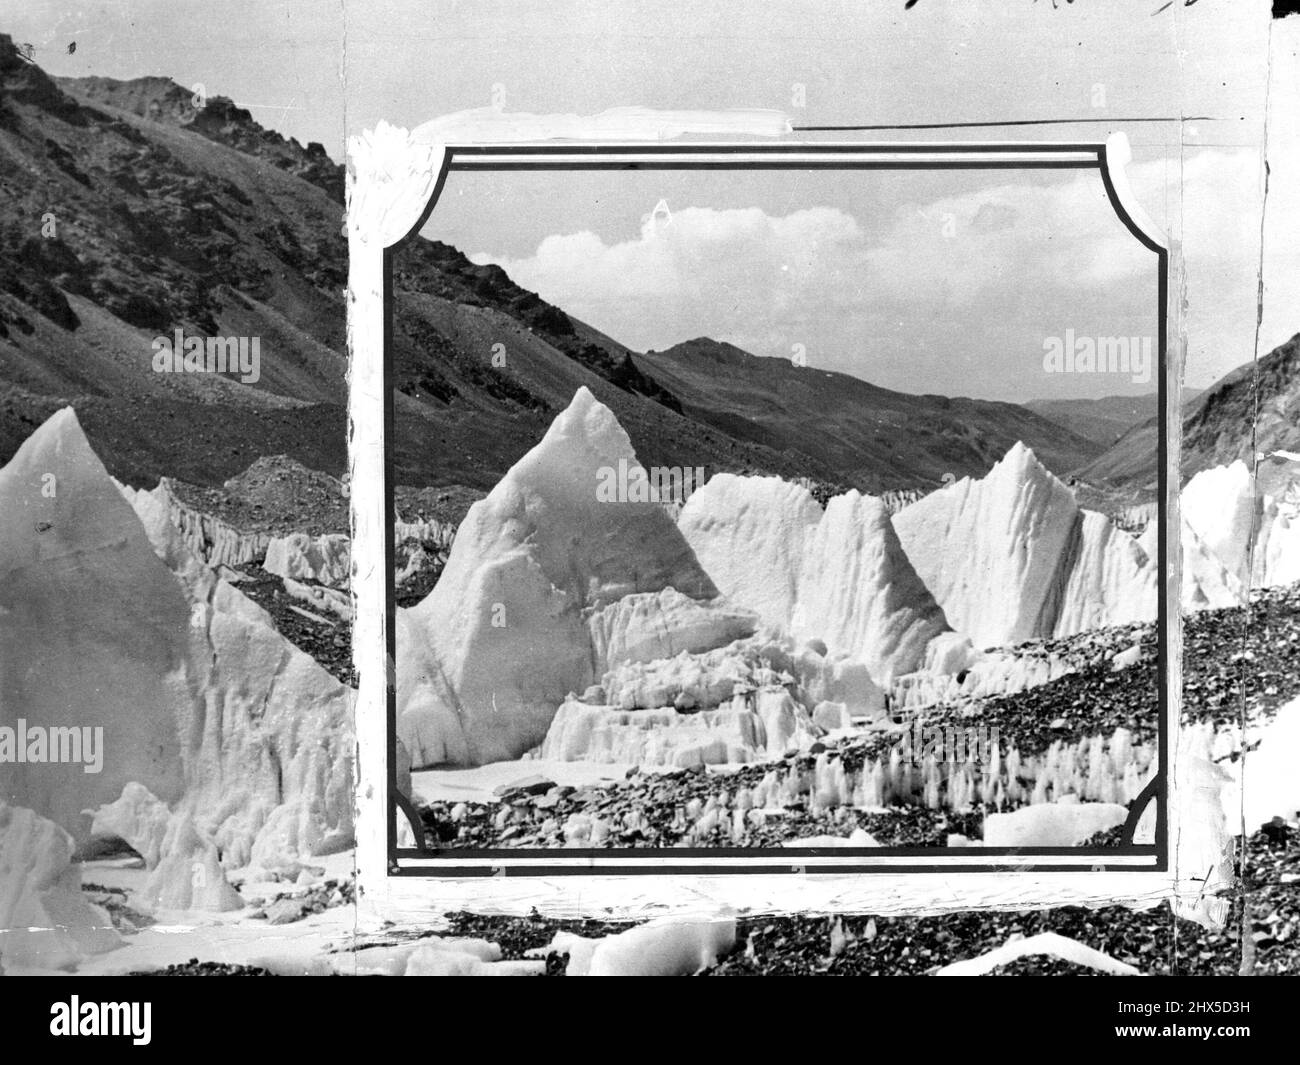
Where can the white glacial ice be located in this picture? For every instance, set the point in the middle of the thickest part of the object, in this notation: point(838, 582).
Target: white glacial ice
point(1277, 549)
point(1207, 583)
point(1220, 505)
point(997, 672)
point(138, 818)
point(95, 630)
point(45, 921)
point(109, 620)
point(655, 625)
point(1272, 787)
point(753, 699)
point(1254, 536)
point(532, 599)
point(1051, 944)
point(211, 539)
point(839, 575)
point(183, 862)
point(1011, 557)
point(269, 752)
point(432, 958)
point(701, 680)
point(764, 724)
point(1112, 580)
point(1052, 824)
point(189, 875)
point(666, 946)
point(325, 559)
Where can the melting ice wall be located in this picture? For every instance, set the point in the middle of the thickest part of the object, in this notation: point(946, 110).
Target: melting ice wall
point(838, 576)
point(108, 620)
point(268, 732)
point(94, 630)
point(45, 921)
point(1254, 536)
point(542, 581)
point(211, 539)
point(1012, 557)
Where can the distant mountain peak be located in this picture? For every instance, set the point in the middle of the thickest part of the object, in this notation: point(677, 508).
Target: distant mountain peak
point(707, 348)
point(218, 118)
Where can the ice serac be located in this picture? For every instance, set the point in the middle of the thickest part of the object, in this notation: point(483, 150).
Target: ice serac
point(1272, 788)
point(1207, 584)
point(210, 538)
point(1012, 557)
point(750, 534)
point(484, 661)
point(1255, 536)
point(1277, 550)
point(325, 559)
point(1220, 505)
point(189, 875)
point(764, 725)
point(45, 921)
point(659, 625)
point(184, 864)
point(267, 732)
point(1112, 581)
point(839, 575)
point(94, 630)
point(107, 619)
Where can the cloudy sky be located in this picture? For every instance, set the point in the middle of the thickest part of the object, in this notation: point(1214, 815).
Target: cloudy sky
point(950, 283)
point(319, 70)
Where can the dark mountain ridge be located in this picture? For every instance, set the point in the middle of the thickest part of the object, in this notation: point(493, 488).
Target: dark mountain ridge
point(1255, 407)
point(1103, 420)
point(873, 438)
point(128, 212)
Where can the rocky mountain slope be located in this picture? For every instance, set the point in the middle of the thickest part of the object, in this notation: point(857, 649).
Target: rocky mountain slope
point(1217, 424)
point(128, 212)
point(1102, 421)
point(873, 439)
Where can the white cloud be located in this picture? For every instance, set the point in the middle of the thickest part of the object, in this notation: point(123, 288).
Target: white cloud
point(989, 272)
point(699, 271)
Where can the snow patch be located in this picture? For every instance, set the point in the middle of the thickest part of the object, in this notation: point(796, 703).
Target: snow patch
point(1052, 944)
point(1058, 824)
point(663, 947)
